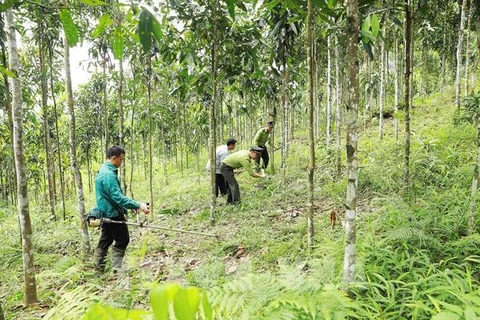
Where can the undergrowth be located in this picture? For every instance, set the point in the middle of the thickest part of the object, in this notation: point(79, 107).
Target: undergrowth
point(414, 259)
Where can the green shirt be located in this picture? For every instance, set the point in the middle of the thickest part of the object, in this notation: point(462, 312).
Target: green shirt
point(261, 137)
point(108, 192)
point(240, 159)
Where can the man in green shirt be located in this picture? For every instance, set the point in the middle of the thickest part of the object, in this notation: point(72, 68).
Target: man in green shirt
point(112, 202)
point(260, 140)
point(239, 159)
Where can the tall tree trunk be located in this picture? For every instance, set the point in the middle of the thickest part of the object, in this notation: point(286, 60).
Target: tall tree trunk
point(338, 112)
point(474, 190)
point(73, 149)
point(443, 61)
point(395, 85)
point(121, 123)
point(150, 130)
point(352, 139)
point(311, 139)
point(408, 90)
point(8, 108)
point(57, 134)
point(461, 32)
point(467, 45)
point(106, 116)
point(213, 123)
point(30, 294)
point(382, 85)
point(46, 126)
point(329, 91)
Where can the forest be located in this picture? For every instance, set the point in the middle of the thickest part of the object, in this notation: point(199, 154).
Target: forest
point(369, 205)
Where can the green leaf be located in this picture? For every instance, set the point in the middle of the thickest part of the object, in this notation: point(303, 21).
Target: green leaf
point(118, 43)
point(207, 307)
point(186, 303)
point(470, 314)
point(444, 315)
point(366, 29)
point(148, 26)
point(102, 26)
point(7, 72)
point(159, 302)
point(69, 27)
point(5, 5)
point(94, 3)
point(231, 8)
point(375, 25)
point(157, 30)
point(145, 30)
point(331, 4)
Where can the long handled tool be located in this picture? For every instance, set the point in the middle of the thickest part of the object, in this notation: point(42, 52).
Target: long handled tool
point(143, 225)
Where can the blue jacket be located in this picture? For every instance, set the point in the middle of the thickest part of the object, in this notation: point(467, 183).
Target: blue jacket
point(109, 194)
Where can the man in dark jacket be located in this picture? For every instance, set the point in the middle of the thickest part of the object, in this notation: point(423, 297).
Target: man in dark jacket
point(113, 204)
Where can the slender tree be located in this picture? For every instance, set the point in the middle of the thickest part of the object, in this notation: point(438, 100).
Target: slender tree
point(30, 293)
point(46, 127)
point(71, 129)
point(310, 105)
point(351, 144)
point(461, 32)
point(476, 169)
point(408, 91)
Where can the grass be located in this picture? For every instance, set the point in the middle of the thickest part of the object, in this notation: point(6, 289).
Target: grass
point(413, 259)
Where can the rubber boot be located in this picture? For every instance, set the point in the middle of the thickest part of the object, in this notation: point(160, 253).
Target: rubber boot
point(100, 259)
point(117, 259)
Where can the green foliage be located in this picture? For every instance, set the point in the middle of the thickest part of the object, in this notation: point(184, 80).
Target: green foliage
point(469, 111)
point(102, 312)
point(69, 27)
point(148, 30)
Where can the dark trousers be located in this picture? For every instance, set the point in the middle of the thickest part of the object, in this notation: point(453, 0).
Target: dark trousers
point(114, 232)
point(222, 185)
point(264, 156)
point(234, 189)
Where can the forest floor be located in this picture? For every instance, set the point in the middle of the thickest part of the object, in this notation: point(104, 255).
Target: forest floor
point(266, 233)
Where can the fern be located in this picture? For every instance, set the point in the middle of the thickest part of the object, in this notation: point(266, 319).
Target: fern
point(72, 304)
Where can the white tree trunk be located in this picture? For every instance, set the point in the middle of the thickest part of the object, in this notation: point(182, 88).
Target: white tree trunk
point(329, 92)
point(459, 53)
point(338, 113)
point(30, 293)
point(467, 46)
point(382, 87)
point(395, 86)
point(352, 139)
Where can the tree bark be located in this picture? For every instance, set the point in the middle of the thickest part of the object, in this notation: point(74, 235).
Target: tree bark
point(408, 90)
point(329, 91)
point(395, 85)
point(213, 124)
point(338, 112)
point(73, 151)
point(57, 137)
point(352, 139)
point(30, 293)
point(476, 169)
point(46, 127)
point(8, 108)
point(311, 138)
point(459, 53)
point(467, 45)
point(382, 85)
